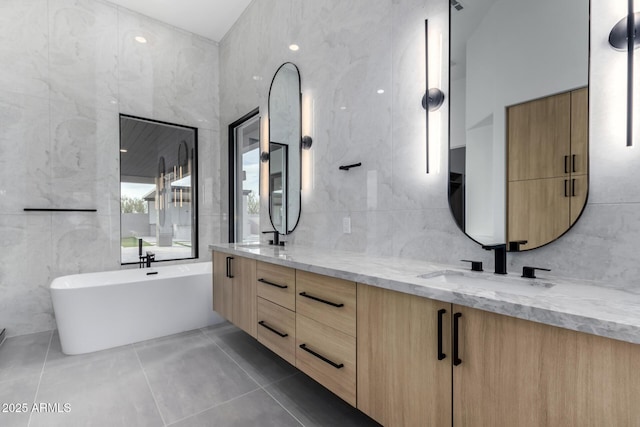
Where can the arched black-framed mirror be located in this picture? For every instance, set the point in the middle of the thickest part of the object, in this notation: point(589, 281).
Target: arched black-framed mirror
point(518, 119)
point(285, 135)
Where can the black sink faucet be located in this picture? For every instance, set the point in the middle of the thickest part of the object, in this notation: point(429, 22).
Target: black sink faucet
point(501, 257)
point(276, 237)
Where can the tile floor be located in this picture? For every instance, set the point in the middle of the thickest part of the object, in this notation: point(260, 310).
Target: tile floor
point(217, 376)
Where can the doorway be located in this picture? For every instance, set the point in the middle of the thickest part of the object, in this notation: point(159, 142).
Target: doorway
point(244, 179)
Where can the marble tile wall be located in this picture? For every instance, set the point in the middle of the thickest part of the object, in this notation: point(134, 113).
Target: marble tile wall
point(69, 67)
point(349, 50)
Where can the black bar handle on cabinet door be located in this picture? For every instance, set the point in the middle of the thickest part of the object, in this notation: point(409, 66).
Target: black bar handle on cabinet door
point(306, 295)
point(441, 314)
point(456, 348)
point(264, 325)
point(566, 164)
point(566, 192)
point(573, 187)
point(573, 163)
point(229, 273)
point(266, 282)
point(321, 357)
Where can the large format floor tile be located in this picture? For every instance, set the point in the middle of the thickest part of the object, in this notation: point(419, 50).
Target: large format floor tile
point(263, 365)
point(218, 376)
point(189, 373)
point(314, 405)
point(15, 394)
point(101, 389)
point(23, 356)
point(253, 409)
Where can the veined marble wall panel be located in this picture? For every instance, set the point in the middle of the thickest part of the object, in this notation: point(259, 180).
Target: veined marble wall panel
point(25, 153)
point(25, 304)
point(170, 77)
point(411, 216)
point(24, 47)
point(344, 59)
point(84, 158)
point(83, 53)
point(69, 67)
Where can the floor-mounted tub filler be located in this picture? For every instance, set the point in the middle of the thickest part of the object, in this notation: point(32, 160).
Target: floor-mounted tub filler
point(96, 311)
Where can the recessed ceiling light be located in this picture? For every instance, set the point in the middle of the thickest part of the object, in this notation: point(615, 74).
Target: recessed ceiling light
point(294, 47)
point(343, 108)
point(257, 78)
point(140, 39)
point(381, 91)
point(123, 150)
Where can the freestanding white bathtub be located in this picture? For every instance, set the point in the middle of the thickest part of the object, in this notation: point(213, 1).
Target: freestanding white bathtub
point(96, 311)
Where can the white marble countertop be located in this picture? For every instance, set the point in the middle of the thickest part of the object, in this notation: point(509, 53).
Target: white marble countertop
point(576, 305)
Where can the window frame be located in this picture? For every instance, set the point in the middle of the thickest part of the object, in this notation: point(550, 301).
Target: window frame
point(233, 185)
point(195, 245)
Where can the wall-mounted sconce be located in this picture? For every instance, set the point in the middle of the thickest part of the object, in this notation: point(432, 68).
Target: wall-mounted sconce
point(306, 142)
point(623, 38)
point(434, 97)
point(264, 156)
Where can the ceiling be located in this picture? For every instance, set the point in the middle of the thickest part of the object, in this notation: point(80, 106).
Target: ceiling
point(207, 18)
point(146, 142)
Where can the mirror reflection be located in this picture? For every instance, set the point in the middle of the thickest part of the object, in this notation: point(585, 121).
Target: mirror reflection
point(518, 163)
point(284, 148)
point(157, 190)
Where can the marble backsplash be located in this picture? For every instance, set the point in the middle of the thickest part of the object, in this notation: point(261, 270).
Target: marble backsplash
point(69, 67)
point(349, 52)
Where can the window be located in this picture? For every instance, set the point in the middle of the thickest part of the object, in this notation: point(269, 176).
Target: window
point(244, 179)
point(158, 197)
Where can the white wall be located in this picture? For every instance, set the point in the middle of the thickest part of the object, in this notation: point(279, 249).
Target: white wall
point(349, 49)
point(68, 68)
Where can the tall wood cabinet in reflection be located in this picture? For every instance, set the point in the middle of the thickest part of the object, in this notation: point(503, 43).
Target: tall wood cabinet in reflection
point(547, 167)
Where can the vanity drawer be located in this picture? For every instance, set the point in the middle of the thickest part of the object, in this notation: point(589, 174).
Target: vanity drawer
point(328, 356)
point(277, 284)
point(328, 300)
point(274, 322)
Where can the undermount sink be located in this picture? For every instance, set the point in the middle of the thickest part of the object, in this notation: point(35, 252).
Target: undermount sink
point(476, 282)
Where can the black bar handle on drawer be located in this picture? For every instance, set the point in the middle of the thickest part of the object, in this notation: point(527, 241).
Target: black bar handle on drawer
point(456, 349)
point(229, 274)
point(264, 325)
point(441, 314)
point(272, 284)
point(321, 357)
point(306, 295)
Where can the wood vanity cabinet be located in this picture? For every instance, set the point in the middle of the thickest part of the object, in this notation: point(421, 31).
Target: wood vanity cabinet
point(512, 372)
point(277, 284)
point(401, 381)
point(276, 291)
point(234, 290)
point(406, 360)
point(326, 332)
point(520, 373)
